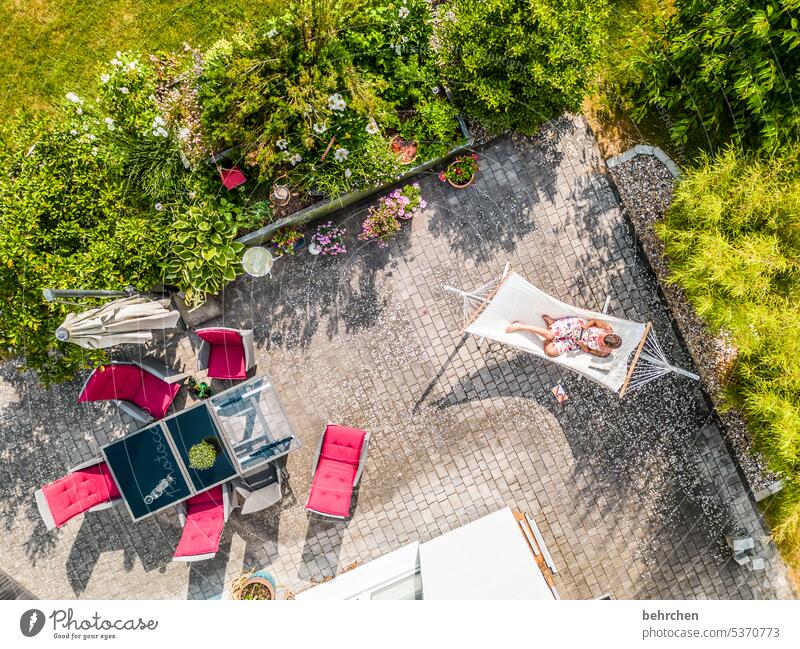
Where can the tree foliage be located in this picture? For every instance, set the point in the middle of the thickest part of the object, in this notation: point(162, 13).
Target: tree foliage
point(514, 64)
point(725, 70)
point(733, 237)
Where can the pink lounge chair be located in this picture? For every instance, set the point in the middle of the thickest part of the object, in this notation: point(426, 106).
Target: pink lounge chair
point(144, 389)
point(232, 178)
point(203, 518)
point(87, 487)
point(226, 353)
point(338, 464)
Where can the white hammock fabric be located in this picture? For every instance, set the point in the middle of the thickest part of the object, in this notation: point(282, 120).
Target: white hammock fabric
point(489, 309)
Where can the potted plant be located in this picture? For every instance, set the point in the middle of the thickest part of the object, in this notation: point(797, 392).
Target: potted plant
point(288, 240)
point(381, 223)
point(406, 201)
point(328, 240)
point(461, 172)
point(404, 150)
point(203, 454)
point(254, 585)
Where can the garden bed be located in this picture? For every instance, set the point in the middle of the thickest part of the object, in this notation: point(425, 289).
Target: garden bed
point(324, 208)
point(645, 186)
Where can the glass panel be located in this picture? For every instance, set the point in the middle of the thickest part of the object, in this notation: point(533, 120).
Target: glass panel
point(254, 422)
point(146, 471)
point(409, 587)
point(191, 427)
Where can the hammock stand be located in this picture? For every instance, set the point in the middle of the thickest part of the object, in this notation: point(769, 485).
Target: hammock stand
point(489, 309)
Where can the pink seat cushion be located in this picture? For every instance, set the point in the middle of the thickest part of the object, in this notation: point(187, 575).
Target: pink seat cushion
point(226, 359)
point(80, 491)
point(232, 178)
point(227, 362)
point(112, 382)
point(130, 383)
point(155, 395)
point(332, 488)
point(342, 444)
point(205, 520)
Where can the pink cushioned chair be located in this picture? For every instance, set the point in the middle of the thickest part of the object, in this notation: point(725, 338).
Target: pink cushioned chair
point(203, 518)
point(87, 487)
point(338, 464)
point(144, 389)
point(226, 353)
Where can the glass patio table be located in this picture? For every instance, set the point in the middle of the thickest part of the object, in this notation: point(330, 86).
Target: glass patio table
point(246, 423)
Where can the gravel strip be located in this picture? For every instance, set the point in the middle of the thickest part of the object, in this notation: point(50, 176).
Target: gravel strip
point(645, 186)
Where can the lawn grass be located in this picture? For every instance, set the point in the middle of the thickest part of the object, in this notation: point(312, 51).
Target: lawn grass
point(51, 47)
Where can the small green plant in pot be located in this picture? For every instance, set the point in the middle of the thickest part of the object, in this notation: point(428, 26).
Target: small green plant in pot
point(203, 455)
point(288, 240)
point(460, 172)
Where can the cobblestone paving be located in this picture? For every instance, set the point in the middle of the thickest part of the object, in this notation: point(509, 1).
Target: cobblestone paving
point(633, 497)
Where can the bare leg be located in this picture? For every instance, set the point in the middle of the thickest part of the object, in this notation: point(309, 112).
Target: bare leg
point(539, 331)
point(548, 320)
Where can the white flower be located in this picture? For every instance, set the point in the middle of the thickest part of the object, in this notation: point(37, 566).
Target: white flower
point(94, 150)
point(160, 131)
point(450, 15)
point(79, 110)
point(124, 90)
point(398, 50)
point(296, 159)
point(282, 144)
point(341, 154)
point(336, 102)
point(347, 173)
point(109, 123)
point(118, 54)
point(105, 78)
point(272, 33)
point(116, 62)
point(373, 128)
point(158, 121)
point(74, 98)
point(73, 132)
point(320, 128)
point(132, 65)
point(90, 137)
point(158, 207)
point(184, 133)
point(403, 13)
point(192, 194)
point(435, 90)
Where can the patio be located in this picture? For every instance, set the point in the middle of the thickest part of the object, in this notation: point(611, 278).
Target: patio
point(633, 497)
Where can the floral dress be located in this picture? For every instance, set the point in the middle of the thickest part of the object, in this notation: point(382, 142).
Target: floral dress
point(569, 333)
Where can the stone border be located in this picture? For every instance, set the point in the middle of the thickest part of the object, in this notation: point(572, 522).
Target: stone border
point(646, 149)
point(320, 210)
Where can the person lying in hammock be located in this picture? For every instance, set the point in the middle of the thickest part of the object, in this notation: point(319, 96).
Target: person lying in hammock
point(571, 333)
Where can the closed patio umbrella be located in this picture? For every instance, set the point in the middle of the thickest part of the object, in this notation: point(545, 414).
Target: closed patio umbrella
point(127, 320)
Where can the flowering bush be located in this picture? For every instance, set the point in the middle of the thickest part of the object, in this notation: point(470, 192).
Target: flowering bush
point(405, 201)
point(329, 239)
point(461, 170)
point(380, 225)
point(383, 223)
point(285, 240)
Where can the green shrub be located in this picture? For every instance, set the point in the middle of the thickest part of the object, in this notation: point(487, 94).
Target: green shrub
point(203, 254)
point(65, 222)
point(514, 64)
point(732, 235)
point(725, 70)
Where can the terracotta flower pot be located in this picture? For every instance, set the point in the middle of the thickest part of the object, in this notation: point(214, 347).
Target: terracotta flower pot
point(465, 185)
point(405, 150)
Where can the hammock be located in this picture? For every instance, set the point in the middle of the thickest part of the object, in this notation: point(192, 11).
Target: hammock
point(489, 309)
